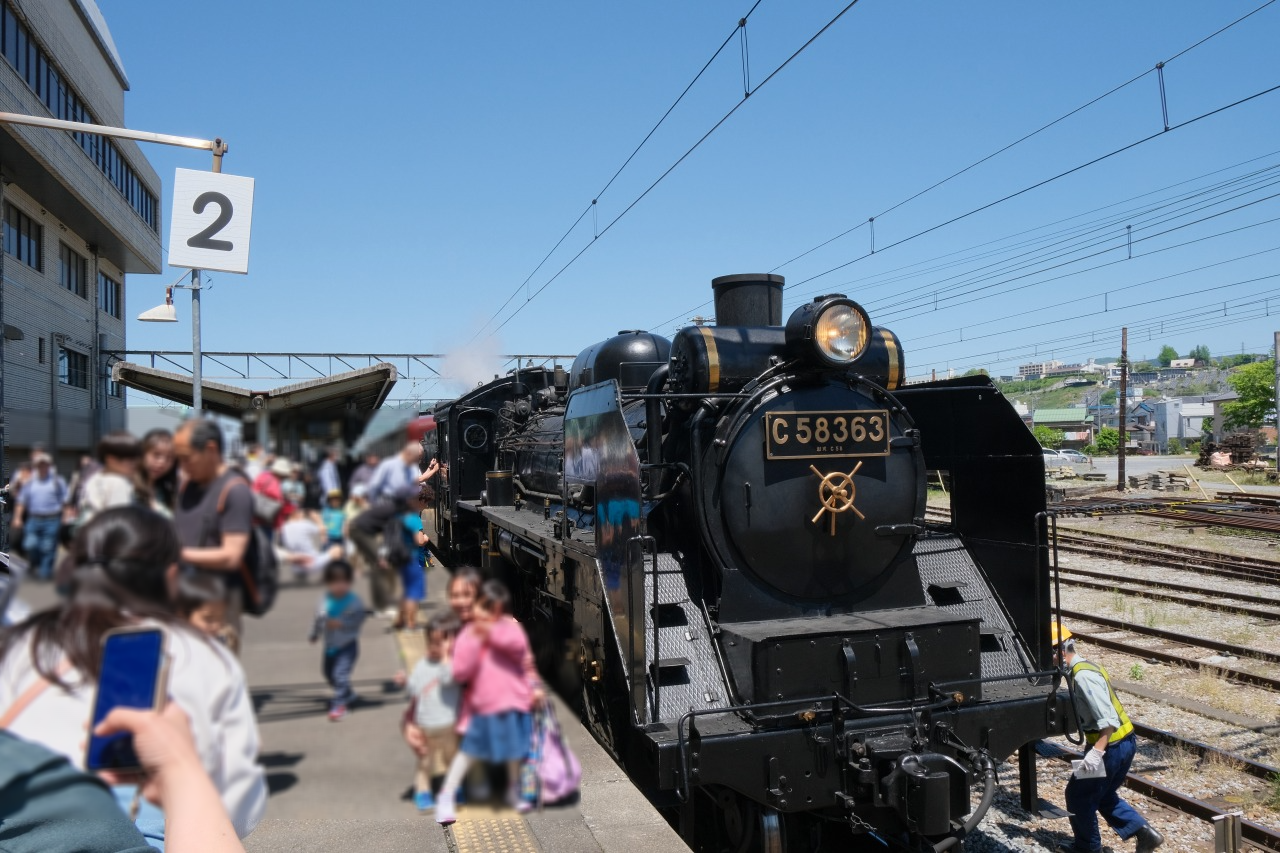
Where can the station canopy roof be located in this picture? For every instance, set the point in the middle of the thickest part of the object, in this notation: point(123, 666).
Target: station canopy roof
point(359, 390)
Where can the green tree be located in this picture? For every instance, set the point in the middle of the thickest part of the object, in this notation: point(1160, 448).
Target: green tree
point(1048, 436)
point(1109, 397)
point(1107, 442)
point(1235, 360)
point(1200, 354)
point(976, 371)
point(1167, 355)
point(1175, 447)
point(1255, 383)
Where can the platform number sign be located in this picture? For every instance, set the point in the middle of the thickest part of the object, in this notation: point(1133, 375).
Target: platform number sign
point(212, 215)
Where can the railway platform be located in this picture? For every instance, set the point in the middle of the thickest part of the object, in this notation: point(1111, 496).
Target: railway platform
point(342, 786)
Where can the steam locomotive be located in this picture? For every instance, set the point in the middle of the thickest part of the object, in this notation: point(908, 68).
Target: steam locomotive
point(719, 542)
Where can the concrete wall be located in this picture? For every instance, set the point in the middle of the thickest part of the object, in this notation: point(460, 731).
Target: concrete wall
point(51, 180)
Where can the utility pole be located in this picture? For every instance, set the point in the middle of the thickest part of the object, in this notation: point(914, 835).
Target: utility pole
point(1123, 401)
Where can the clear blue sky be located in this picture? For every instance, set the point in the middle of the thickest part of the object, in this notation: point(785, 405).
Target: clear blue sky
point(415, 161)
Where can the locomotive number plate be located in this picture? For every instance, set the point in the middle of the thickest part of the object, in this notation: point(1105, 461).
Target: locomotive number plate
point(813, 435)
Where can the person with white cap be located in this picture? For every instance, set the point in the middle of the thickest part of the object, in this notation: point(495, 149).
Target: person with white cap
point(39, 515)
point(1111, 742)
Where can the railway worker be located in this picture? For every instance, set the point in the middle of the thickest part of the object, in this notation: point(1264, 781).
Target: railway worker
point(1108, 732)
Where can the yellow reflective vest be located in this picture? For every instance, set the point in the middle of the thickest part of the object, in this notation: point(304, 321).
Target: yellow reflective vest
point(1126, 725)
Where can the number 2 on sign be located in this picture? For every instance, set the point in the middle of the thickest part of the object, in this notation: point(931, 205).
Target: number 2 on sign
point(204, 239)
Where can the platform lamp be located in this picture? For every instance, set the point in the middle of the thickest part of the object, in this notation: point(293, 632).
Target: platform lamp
point(167, 313)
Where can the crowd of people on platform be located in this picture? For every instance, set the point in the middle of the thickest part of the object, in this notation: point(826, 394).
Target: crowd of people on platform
point(156, 531)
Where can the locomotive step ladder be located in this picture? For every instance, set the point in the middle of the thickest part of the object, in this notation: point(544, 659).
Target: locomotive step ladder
point(683, 673)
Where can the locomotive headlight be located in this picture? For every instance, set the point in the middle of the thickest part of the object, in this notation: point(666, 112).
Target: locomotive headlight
point(835, 328)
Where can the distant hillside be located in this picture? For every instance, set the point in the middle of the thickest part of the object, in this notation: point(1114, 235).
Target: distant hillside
point(1055, 392)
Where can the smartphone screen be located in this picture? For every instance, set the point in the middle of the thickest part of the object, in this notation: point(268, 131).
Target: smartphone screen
point(131, 665)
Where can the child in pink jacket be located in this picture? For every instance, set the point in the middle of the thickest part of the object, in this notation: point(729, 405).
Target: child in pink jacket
point(490, 657)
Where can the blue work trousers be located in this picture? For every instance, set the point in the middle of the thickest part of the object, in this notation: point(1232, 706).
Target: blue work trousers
point(1086, 798)
point(40, 542)
point(338, 664)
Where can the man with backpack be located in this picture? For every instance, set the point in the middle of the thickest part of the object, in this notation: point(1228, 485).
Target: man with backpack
point(215, 521)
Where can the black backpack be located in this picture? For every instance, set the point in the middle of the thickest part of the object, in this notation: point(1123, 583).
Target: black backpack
point(260, 568)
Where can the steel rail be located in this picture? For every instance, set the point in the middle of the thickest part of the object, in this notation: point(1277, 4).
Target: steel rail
point(1254, 833)
point(1264, 600)
point(1117, 586)
point(1227, 672)
point(1203, 750)
point(1178, 557)
point(1202, 642)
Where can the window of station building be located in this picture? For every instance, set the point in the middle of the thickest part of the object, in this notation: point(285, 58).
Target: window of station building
point(109, 294)
point(72, 271)
point(23, 237)
point(114, 389)
point(73, 368)
point(38, 70)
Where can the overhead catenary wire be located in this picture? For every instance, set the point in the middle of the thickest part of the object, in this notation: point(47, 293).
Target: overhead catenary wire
point(1030, 135)
point(900, 308)
point(993, 248)
point(1095, 295)
point(680, 160)
point(1049, 180)
point(1095, 100)
point(1136, 217)
point(1196, 319)
point(592, 207)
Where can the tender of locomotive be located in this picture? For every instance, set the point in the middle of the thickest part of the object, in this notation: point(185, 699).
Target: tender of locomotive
point(720, 542)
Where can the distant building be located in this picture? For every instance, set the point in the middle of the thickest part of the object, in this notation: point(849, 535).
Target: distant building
point(1183, 362)
point(1179, 418)
point(1075, 423)
point(1040, 370)
point(80, 213)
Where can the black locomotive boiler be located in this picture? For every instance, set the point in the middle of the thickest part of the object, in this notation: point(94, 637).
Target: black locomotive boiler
point(720, 543)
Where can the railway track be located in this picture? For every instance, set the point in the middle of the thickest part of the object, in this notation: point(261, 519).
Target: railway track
point(1172, 637)
point(1254, 833)
point(1211, 599)
point(1157, 554)
point(1256, 769)
point(1230, 673)
point(1171, 556)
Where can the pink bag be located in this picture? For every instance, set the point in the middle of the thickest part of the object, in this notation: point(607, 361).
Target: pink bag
point(559, 772)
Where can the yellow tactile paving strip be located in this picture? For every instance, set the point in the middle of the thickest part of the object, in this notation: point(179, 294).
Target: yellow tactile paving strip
point(484, 829)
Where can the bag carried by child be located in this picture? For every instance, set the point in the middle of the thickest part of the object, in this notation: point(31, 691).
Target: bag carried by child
point(557, 769)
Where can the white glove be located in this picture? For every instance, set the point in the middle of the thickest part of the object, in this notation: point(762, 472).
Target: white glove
point(1092, 761)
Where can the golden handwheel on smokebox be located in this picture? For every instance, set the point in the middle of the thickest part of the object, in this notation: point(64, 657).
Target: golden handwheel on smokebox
point(836, 493)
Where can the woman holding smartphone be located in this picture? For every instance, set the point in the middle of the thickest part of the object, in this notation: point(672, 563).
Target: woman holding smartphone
point(126, 568)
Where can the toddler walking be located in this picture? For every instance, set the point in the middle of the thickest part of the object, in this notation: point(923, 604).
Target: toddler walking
point(338, 620)
point(435, 706)
point(489, 657)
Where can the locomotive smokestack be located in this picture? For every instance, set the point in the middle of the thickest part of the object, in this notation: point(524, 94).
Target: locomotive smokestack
point(754, 299)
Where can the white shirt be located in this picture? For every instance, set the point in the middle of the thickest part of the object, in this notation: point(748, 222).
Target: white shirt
point(1093, 701)
point(102, 491)
point(437, 694)
point(204, 679)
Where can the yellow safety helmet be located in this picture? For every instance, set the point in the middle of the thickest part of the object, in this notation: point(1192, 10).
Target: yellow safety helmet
point(1058, 633)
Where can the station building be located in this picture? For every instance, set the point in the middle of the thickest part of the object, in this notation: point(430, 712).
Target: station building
point(80, 213)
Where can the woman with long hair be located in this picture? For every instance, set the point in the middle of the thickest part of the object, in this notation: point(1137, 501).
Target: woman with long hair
point(126, 573)
point(157, 480)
